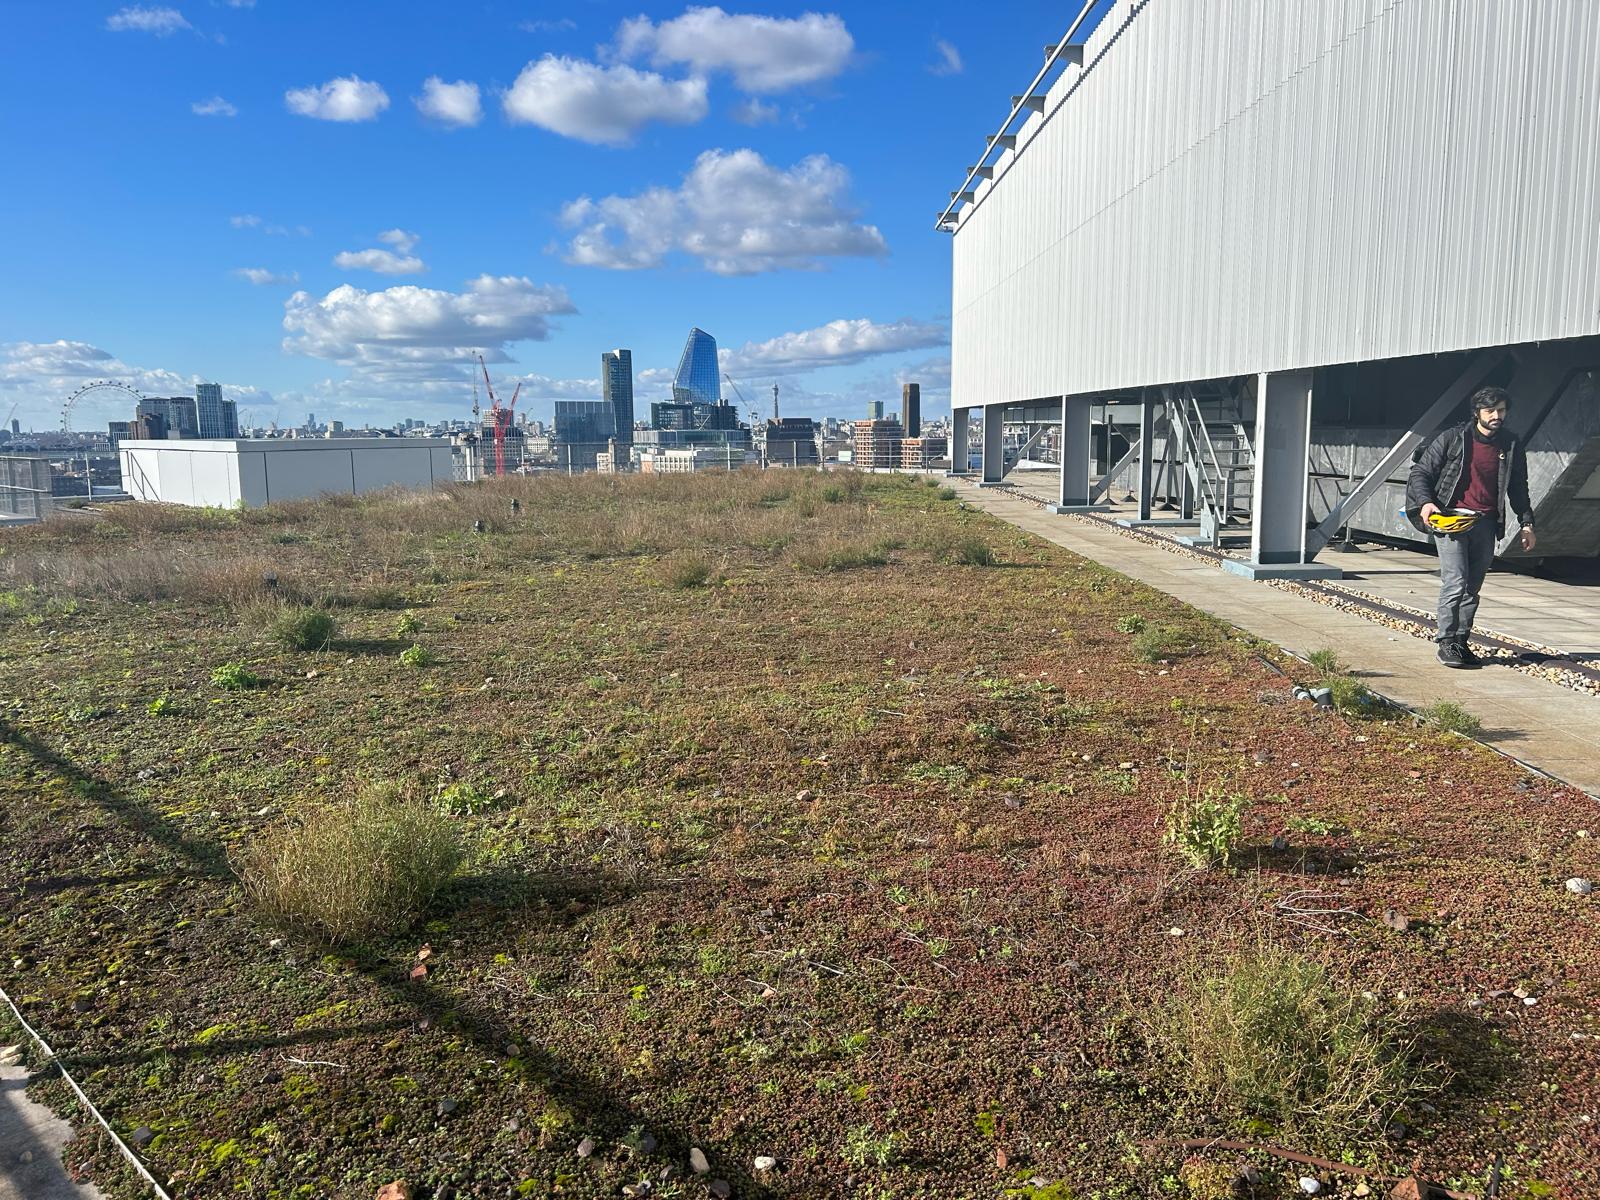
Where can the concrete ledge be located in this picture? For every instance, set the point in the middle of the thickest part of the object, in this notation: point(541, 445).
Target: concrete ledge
point(1252, 570)
point(1059, 509)
point(992, 483)
point(1157, 522)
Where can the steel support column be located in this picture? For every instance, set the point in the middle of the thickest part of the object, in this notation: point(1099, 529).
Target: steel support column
point(994, 457)
point(1077, 455)
point(1283, 468)
point(960, 427)
point(1282, 482)
point(1147, 457)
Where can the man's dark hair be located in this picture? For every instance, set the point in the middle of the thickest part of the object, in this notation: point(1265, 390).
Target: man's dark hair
point(1488, 397)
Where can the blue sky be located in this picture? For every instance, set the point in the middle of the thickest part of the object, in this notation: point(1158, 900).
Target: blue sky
point(273, 195)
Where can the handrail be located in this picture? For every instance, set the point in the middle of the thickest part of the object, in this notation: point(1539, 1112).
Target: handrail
point(1019, 104)
point(1191, 417)
point(1205, 434)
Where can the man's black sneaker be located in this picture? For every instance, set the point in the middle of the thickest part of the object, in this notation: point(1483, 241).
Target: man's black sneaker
point(1450, 654)
point(1468, 658)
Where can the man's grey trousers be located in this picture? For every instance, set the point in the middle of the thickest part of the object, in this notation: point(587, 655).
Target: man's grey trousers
point(1464, 560)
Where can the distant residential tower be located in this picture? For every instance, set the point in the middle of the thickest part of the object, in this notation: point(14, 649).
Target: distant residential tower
point(616, 390)
point(217, 418)
point(911, 409)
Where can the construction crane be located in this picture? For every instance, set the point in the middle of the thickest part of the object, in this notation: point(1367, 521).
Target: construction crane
point(501, 417)
point(11, 414)
point(755, 414)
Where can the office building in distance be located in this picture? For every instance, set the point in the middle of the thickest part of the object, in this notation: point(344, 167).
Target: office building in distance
point(216, 417)
point(696, 417)
point(583, 428)
point(792, 442)
point(699, 377)
point(177, 412)
point(875, 443)
point(700, 458)
point(616, 392)
point(911, 409)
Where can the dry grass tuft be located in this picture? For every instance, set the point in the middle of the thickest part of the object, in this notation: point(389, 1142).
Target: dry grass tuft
point(682, 574)
point(361, 869)
point(1266, 1038)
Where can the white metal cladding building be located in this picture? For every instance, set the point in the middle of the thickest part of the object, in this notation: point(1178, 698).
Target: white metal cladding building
point(1215, 189)
point(254, 472)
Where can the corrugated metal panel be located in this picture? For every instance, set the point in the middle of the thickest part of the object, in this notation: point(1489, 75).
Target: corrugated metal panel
point(1248, 185)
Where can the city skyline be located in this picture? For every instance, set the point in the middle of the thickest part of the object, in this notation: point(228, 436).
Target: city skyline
point(372, 209)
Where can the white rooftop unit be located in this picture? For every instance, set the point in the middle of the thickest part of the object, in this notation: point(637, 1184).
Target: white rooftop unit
point(223, 473)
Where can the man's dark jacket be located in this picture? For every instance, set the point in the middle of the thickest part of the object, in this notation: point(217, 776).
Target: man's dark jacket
point(1439, 476)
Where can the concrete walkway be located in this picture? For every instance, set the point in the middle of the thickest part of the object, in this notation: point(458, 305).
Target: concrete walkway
point(31, 1138)
point(1547, 726)
point(1563, 616)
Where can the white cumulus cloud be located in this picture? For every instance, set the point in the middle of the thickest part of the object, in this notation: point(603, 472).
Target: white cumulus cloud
point(407, 328)
point(348, 98)
point(40, 375)
point(734, 212)
point(262, 277)
point(834, 344)
point(384, 262)
point(455, 104)
point(599, 104)
point(137, 18)
point(763, 54)
point(542, 387)
point(403, 240)
point(398, 260)
point(214, 107)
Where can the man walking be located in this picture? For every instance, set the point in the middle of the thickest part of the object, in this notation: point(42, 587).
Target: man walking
point(1460, 485)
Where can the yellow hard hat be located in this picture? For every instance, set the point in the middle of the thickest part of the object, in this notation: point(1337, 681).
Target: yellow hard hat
point(1456, 521)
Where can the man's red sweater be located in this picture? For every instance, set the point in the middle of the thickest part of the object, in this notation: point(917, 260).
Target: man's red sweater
point(1482, 476)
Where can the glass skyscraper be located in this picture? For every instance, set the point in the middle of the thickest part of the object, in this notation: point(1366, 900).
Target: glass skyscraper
point(699, 377)
point(582, 422)
point(217, 418)
point(616, 391)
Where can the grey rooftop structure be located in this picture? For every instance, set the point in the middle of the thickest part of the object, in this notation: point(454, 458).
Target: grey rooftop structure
point(1284, 243)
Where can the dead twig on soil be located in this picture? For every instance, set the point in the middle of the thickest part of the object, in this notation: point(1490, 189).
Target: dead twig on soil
point(1293, 908)
point(911, 937)
point(900, 978)
point(1310, 1160)
point(314, 1062)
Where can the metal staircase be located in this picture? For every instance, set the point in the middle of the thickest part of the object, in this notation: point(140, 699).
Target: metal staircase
point(1218, 460)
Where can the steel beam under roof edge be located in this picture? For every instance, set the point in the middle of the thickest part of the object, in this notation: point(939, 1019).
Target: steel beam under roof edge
point(1062, 51)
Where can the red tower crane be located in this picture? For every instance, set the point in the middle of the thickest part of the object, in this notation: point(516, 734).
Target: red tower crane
point(501, 417)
